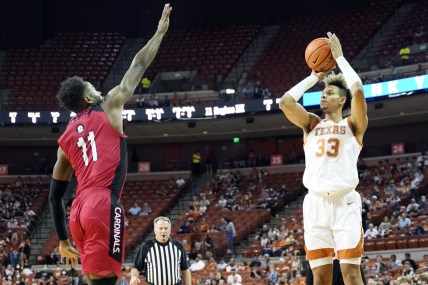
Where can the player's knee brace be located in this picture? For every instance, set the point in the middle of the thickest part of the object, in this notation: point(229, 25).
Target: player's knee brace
point(105, 281)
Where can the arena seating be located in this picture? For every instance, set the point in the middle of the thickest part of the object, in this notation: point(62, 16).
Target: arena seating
point(403, 34)
point(245, 274)
point(295, 189)
point(31, 192)
point(34, 74)
point(29, 185)
point(282, 64)
point(248, 221)
point(292, 181)
point(396, 239)
point(292, 223)
point(211, 51)
point(145, 191)
point(245, 221)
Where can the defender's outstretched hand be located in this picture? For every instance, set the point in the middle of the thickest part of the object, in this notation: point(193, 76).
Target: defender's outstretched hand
point(164, 20)
point(334, 43)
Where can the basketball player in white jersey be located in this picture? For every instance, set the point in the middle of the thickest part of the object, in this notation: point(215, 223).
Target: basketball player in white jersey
point(332, 208)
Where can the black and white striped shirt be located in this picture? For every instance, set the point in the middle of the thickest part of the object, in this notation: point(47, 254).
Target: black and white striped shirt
point(162, 263)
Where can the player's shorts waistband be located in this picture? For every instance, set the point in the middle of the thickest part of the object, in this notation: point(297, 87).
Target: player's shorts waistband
point(335, 193)
point(92, 191)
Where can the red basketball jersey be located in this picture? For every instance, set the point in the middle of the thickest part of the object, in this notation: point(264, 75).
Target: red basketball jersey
point(96, 151)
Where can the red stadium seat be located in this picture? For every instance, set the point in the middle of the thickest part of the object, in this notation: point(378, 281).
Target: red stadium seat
point(402, 243)
point(380, 244)
point(391, 244)
point(71, 54)
point(369, 245)
point(423, 241)
point(413, 242)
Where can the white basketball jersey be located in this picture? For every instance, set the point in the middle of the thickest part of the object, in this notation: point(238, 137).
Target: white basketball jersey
point(331, 154)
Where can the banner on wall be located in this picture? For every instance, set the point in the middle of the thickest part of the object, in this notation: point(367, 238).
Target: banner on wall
point(143, 167)
point(4, 169)
point(397, 148)
point(382, 90)
point(276, 159)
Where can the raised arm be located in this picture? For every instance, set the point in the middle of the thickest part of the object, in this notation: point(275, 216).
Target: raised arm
point(121, 94)
point(358, 116)
point(293, 110)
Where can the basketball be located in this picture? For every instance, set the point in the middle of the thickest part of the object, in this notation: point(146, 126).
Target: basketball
point(318, 56)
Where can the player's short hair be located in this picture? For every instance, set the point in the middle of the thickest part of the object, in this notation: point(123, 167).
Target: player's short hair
point(70, 95)
point(161, 218)
point(338, 80)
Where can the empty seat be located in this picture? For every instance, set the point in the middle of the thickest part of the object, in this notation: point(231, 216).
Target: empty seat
point(413, 242)
point(402, 243)
point(390, 244)
point(73, 54)
point(369, 245)
point(380, 244)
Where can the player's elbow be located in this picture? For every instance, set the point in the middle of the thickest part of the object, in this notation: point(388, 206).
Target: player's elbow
point(127, 86)
point(357, 89)
point(287, 102)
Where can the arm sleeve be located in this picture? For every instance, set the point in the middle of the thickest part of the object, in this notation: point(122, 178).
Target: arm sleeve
point(57, 191)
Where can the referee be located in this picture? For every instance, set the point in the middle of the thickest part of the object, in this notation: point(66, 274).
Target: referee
point(162, 261)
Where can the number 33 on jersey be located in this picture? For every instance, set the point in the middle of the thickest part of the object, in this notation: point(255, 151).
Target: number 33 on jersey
point(331, 148)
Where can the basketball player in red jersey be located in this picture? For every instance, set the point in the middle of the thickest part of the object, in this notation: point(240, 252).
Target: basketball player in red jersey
point(332, 207)
point(94, 147)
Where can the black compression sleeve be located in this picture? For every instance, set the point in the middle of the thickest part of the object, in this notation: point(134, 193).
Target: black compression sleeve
point(56, 193)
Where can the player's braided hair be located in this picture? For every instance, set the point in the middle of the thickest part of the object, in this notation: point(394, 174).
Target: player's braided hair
point(338, 80)
point(70, 94)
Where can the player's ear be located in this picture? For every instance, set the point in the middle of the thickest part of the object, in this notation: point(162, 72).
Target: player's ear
point(88, 99)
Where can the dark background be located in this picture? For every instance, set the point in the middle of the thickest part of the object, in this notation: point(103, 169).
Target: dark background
point(26, 23)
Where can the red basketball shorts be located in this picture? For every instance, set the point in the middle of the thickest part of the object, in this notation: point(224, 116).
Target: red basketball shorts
point(98, 230)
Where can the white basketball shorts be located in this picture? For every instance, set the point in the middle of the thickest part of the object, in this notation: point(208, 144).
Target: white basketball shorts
point(333, 227)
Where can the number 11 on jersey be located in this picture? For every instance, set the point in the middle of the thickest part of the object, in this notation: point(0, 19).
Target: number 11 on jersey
point(81, 143)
